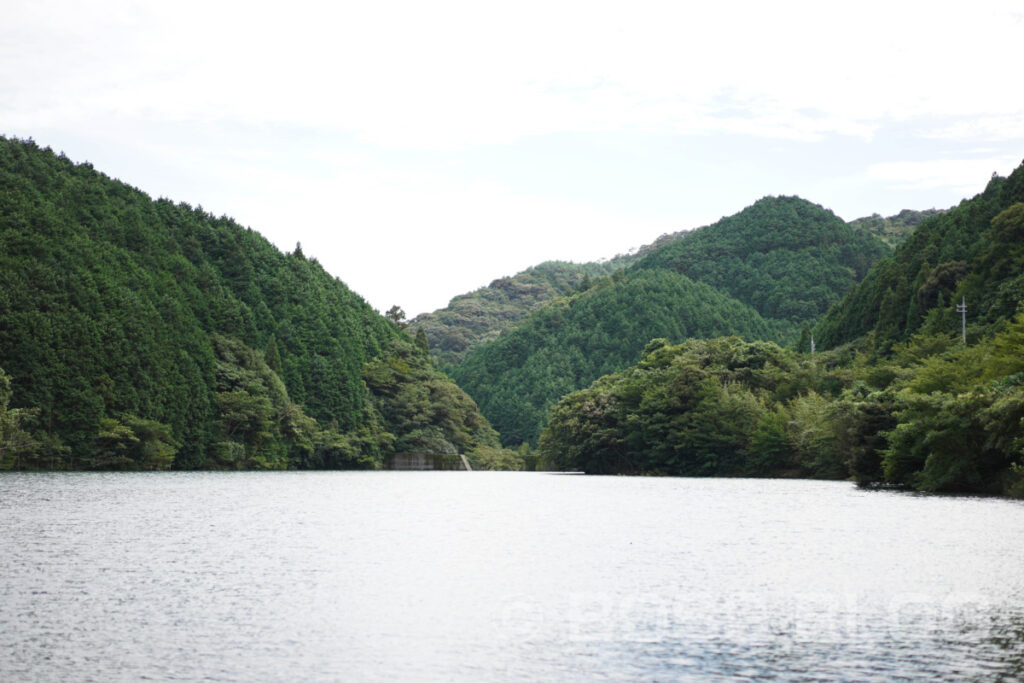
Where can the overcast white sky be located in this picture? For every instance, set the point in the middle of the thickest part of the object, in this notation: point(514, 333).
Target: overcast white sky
point(421, 149)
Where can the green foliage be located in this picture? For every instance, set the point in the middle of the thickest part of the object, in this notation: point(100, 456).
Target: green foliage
point(960, 413)
point(15, 442)
point(574, 340)
point(893, 230)
point(494, 458)
point(995, 285)
point(949, 418)
point(132, 443)
point(758, 274)
point(719, 407)
point(252, 406)
point(812, 432)
point(480, 316)
point(770, 449)
point(937, 416)
point(422, 408)
point(787, 258)
point(867, 418)
point(130, 326)
point(397, 316)
point(421, 341)
point(974, 250)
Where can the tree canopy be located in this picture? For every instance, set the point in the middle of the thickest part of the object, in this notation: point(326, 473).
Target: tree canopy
point(574, 340)
point(762, 274)
point(787, 258)
point(147, 334)
point(972, 251)
point(937, 416)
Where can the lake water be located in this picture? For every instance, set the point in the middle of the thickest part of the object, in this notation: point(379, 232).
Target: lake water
point(360, 576)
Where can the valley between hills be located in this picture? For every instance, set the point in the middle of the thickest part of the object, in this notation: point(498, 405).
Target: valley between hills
point(781, 341)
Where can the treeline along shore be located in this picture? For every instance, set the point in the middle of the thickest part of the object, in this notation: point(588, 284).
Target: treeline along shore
point(781, 341)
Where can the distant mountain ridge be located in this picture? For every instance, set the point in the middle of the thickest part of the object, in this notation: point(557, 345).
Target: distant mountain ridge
point(568, 343)
point(785, 256)
point(761, 274)
point(893, 230)
point(479, 316)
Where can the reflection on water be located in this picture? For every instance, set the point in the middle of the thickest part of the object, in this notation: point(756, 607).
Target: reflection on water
point(501, 576)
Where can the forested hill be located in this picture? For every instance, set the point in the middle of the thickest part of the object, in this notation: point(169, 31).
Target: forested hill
point(572, 341)
point(481, 315)
point(907, 405)
point(936, 416)
point(146, 334)
point(761, 274)
point(974, 251)
point(784, 256)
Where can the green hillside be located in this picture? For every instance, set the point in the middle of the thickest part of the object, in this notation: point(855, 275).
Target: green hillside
point(907, 404)
point(760, 274)
point(894, 230)
point(752, 256)
point(131, 329)
point(480, 316)
point(960, 253)
point(784, 256)
point(574, 340)
point(937, 416)
point(719, 407)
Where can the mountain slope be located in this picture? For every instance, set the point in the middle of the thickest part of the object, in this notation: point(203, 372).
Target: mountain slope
point(921, 410)
point(937, 415)
point(116, 310)
point(760, 274)
point(784, 256)
point(719, 407)
point(572, 341)
point(960, 253)
point(924, 411)
point(480, 316)
point(894, 230)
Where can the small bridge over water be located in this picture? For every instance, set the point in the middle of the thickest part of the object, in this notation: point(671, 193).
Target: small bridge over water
point(426, 461)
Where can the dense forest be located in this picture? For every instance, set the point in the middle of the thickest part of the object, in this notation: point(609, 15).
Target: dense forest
point(972, 252)
point(935, 416)
point(480, 316)
point(906, 404)
point(765, 274)
point(574, 340)
point(786, 257)
point(141, 334)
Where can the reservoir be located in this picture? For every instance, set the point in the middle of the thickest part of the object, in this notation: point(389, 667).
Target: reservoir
point(480, 576)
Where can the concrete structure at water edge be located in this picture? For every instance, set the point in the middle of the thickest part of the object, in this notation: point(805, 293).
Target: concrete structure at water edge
point(426, 461)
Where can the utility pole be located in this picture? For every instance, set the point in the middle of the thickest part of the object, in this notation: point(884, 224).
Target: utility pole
point(961, 308)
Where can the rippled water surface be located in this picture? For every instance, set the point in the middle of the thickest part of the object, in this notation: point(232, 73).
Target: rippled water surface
point(501, 576)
